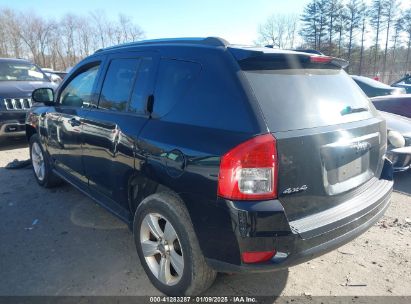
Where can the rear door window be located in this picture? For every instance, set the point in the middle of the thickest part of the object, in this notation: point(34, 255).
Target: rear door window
point(175, 77)
point(118, 84)
point(293, 99)
point(142, 86)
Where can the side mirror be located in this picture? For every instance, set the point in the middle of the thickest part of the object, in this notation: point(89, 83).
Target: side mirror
point(43, 95)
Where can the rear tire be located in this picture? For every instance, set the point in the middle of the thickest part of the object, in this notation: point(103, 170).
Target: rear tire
point(162, 224)
point(41, 165)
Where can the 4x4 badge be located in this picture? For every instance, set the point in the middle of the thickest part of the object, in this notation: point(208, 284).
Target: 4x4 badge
point(295, 189)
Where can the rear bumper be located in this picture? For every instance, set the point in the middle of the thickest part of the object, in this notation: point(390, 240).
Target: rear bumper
point(294, 247)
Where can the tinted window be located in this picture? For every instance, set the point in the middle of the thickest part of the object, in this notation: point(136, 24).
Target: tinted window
point(305, 98)
point(118, 84)
point(141, 87)
point(79, 90)
point(175, 77)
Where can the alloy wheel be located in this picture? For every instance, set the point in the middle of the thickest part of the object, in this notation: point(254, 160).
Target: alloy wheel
point(38, 161)
point(161, 249)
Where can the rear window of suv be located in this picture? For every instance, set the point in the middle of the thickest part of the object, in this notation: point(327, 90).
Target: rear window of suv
point(302, 98)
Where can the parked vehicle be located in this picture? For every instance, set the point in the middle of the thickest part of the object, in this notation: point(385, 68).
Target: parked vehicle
point(399, 140)
point(221, 158)
point(374, 88)
point(52, 75)
point(404, 82)
point(18, 79)
point(399, 104)
point(60, 74)
point(398, 128)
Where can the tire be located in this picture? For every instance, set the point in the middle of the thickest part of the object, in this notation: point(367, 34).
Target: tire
point(39, 159)
point(166, 210)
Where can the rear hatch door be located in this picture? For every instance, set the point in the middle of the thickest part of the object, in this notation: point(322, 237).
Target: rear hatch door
point(330, 139)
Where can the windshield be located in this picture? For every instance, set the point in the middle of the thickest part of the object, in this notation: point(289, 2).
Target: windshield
point(293, 99)
point(20, 71)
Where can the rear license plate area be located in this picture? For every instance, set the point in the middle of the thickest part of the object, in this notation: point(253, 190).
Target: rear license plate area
point(353, 168)
point(348, 164)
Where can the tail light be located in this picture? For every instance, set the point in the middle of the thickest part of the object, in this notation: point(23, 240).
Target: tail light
point(249, 171)
point(320, 59)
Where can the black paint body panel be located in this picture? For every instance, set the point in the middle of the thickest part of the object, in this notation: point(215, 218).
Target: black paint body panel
point(101, 151)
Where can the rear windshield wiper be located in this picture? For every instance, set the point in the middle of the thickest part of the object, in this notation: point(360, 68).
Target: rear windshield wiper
point(350, 110)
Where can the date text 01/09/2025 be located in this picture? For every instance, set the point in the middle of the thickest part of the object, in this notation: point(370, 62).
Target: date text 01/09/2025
point(203, 299)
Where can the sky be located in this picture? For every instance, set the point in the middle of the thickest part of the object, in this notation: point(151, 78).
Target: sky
point(234, 20)
point(237, 21)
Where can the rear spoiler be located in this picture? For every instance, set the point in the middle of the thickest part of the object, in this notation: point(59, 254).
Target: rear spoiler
point(259, 60)
point(338, 62)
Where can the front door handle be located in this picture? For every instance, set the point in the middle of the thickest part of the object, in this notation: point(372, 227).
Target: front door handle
point(74, 122)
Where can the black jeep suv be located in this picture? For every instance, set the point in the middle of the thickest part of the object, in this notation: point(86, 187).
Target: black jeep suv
point(18, 79)
point(221, 158)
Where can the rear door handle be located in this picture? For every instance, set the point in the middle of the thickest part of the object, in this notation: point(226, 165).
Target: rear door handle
point(74, 122)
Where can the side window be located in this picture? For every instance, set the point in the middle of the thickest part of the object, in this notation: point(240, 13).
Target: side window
point(141, 87)
point(175, 77)
point(79, 90)
point(118, 84)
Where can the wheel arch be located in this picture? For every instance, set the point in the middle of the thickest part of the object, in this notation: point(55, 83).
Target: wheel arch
point(149, 187)
point(140, 187)
point(30, 131)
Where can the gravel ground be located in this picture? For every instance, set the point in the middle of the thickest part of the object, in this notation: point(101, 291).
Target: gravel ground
point(59, 242)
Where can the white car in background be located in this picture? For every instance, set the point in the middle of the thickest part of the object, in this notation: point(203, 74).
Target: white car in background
point(398, 140)
point(50, 73)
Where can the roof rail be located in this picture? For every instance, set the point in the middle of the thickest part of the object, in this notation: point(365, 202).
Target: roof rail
point(210, 41)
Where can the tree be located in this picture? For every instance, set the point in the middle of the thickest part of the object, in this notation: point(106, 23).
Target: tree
point(363, 21)
point(391, 9)
point(407, 29)
point(333, 10)
point(398, 28)
point(309, 28)
point(34, 33)
point(84, 36)
point(355, 10)
point(69, 27)
point(314, 23)
point(376, 20)
point(61, 43)
point(322, 20)
point(11, 39)
point(278, 31)
point(342, 27)
point(99, 20)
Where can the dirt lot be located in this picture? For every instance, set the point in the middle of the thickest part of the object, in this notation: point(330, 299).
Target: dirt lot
point(59, 242)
